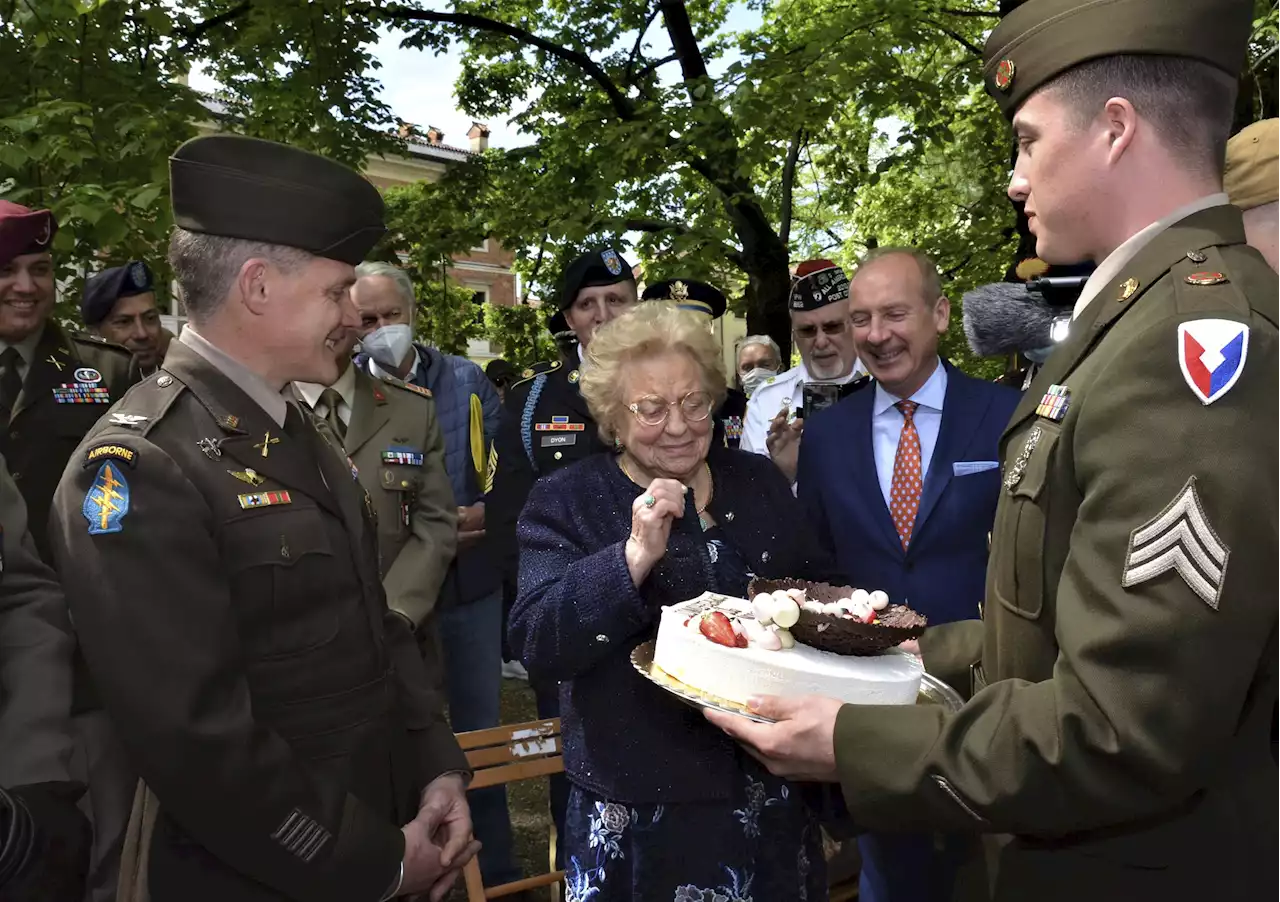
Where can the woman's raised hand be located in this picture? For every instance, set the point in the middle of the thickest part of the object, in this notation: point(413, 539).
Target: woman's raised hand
point(652, 514)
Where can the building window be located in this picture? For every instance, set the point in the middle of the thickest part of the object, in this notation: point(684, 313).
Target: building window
point(482, 247)
point(479, 297)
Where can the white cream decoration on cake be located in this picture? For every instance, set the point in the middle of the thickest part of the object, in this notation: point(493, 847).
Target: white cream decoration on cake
point(724, 646)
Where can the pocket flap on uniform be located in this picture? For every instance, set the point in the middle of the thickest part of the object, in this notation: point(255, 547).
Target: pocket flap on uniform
point(281, 537)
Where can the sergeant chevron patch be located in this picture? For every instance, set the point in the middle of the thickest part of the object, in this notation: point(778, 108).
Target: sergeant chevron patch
point(1181, 539)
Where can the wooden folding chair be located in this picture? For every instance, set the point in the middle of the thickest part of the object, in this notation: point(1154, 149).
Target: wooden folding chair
point(509, 754)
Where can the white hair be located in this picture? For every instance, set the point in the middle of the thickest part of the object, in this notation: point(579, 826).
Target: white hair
point(394, 273)
point(759, 340)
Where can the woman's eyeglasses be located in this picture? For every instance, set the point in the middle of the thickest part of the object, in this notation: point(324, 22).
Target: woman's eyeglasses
point(653, 411)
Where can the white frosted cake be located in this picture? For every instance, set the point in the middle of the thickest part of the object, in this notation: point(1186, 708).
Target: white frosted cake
point(725, 647)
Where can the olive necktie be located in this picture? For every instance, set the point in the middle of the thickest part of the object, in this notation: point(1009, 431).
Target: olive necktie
point(331, 399)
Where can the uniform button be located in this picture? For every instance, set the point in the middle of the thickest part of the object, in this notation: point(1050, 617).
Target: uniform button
point(164, 381)
point(17, 477)
point(559, 455)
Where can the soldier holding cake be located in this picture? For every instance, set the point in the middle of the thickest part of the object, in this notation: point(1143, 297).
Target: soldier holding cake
point(1123, 680)
point(663, 805)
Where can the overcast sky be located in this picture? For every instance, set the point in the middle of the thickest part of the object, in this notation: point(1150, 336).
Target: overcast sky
point(418, 86)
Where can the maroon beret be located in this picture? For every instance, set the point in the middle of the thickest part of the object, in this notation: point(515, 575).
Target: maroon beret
point(24, 231)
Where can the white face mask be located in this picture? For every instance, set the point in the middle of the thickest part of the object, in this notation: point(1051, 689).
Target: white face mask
point(388, 345)
point(753, 379)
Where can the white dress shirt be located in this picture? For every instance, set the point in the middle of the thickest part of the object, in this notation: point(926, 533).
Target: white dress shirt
point(1119, 258)
point(887, 422)
point(783, 390)
point(345, 387)
point(244, 378)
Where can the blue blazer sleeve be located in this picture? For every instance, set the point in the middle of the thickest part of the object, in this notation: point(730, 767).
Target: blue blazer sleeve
point(575, 606)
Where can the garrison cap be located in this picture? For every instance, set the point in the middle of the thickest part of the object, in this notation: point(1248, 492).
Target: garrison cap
point(817, 284)
point(258, 190)
point(1041, 39)
point(103, 289)
point(604, 266)
point(1252, 173)
point(24, 231)
point(689, 294)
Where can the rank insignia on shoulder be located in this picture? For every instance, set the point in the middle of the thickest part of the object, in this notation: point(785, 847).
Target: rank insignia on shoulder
point(1206, 278)
point(252, 477)
point(425, 392)
point(574, 376)
point(527, 374)
point(1128, 288)
point(131, 420)
point(81, 393)
point(107, 500)
point(407, 456)
point(111, 451)
point(1179, 538)
point(1211, 353)
point(1055, 403)
point(263, 499)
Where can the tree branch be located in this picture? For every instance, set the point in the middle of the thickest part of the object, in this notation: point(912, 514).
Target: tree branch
point(970, 13)
point(683, 40)
point(788, 184)
point(197, 31)
point(655, 64)
point(961, 39)
point(635, 51)
point(622, 105)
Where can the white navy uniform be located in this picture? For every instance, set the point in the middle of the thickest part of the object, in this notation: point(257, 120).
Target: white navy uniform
point(777, 392)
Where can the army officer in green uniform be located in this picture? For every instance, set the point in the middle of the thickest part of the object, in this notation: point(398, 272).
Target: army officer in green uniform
point(220, 564)
point(54, 383)
point(1124, 675)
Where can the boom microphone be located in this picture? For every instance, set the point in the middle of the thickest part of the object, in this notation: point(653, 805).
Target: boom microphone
point(1007, 318)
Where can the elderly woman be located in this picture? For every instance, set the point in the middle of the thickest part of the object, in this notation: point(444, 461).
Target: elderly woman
point(663, 806)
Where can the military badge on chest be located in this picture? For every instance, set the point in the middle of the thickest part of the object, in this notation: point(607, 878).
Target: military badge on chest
point(86, 389)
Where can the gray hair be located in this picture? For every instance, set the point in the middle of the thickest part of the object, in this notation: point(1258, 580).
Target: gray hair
point(392, 272)
point(764, 340)
point(206, 266)
point(930, 280)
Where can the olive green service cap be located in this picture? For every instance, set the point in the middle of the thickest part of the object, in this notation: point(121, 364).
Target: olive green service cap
point(1040, 39)
point(258, 190)
point(1252, 170)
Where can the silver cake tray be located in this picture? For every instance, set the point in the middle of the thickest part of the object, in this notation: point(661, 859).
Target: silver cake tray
point(932, 690)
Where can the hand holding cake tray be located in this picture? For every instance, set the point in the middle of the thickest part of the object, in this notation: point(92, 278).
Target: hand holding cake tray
point(793, 638)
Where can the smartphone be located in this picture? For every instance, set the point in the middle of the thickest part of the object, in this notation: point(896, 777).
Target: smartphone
point(817, 396)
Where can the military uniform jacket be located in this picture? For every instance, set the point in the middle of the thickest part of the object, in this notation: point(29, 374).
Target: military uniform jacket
point(395, 444)
point(72, 380)
point(1123, 701)
point(545, 426)
point(224, 582)
point(36, 645)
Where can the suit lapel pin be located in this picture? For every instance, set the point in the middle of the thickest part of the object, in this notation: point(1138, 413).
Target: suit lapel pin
point(131, 420)
point(55, 361)
point(1197, 256)
point(248, 475)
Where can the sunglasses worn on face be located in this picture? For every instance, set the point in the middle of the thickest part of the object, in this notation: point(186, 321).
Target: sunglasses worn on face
point(811, 332)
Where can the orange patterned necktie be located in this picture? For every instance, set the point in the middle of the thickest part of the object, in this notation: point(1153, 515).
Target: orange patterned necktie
point(904, 493)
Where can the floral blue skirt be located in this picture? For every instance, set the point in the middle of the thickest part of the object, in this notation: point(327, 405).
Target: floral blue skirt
point(764, 845)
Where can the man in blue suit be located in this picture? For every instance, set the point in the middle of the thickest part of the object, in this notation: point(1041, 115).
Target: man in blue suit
point(901, 481)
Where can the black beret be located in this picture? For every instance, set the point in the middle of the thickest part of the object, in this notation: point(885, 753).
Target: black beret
point(1041, 39)
point(103, 289)
point(500, 371)
point(599, 267)
point(817, 284)
point(24, 231)
point(257, 190)
point(689, 294)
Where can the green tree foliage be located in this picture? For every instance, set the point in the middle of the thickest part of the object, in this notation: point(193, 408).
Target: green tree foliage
point(521, 333)
point(89, 113)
